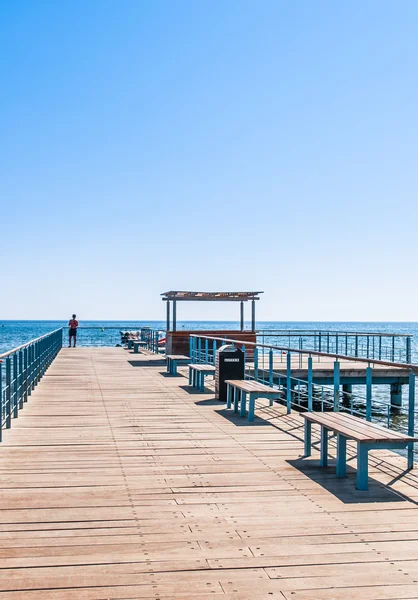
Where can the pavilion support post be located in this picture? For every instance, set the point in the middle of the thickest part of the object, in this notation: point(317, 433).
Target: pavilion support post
point(411, 418)
point(242, 315)
point(396, 394)
point(168, 315)
point(253, 315)
point(347, 388)
point(174, 315)
point(369, 381)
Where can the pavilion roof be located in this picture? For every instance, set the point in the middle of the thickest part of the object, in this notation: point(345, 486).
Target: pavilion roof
point(211, 296)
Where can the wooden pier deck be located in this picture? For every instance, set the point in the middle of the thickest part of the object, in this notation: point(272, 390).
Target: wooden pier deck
point(118, 482)
point(351, 371)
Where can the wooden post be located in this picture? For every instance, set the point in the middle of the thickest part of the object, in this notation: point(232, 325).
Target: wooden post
point(174, 315)
point(253, 315)
point(168, 315)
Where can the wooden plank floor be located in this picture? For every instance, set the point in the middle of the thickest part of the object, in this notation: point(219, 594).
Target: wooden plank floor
point(118, 482)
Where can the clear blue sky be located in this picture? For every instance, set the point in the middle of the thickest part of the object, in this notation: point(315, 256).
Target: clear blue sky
point(208, 144)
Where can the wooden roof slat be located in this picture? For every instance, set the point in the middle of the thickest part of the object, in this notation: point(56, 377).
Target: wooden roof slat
point(210, 296)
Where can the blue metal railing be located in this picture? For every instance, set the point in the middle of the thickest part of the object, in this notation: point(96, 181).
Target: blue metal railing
point(267, 366)
point(153, 339)
point(21, 369)
point(393, 347)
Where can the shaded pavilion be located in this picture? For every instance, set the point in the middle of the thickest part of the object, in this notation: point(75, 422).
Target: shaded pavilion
point(177, 342)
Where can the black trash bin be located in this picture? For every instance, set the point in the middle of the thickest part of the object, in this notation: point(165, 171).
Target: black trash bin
point(230, 364)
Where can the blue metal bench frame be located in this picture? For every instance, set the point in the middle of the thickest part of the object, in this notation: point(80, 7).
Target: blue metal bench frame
point(363, 448)
point(197, 373)
point(239, 397)
point(174, 362)
point(137, 345)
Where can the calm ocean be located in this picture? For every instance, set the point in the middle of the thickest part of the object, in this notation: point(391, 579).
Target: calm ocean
point(14, 333)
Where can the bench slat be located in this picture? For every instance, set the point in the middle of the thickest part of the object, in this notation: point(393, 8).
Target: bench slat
point(361, 428)
point(251, 386)
point(177, 357)
point(362, 425)
point(355, 428)
point(206, 368)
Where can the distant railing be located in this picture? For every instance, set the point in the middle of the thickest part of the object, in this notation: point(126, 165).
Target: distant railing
point(21, 369)
point(154, 338)
point(273, 365)
point(380, 346)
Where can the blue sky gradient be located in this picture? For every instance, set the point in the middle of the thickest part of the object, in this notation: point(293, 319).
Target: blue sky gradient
point(185, 144)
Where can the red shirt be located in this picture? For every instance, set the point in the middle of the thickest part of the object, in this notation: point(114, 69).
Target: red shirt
point(73, 324)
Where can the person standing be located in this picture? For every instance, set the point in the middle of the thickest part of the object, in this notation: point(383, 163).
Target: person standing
point(72, 324)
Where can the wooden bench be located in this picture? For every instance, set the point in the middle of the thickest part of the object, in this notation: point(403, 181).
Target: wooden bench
point(138, 344)
point(173, 360)
point(348, 427)
point(238, 389)
point(131, 343)
point(197, 374)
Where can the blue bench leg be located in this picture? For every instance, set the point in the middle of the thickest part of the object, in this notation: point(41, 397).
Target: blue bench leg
point(168, 365)
point(308, 437)
point(243, 406)
point(251, 408)
point(202, 382)
point(410, 456)
point(324, 447)
point(236, 400)
point(174, 367)
point(190, 376)
point(362, 466)
point(341, 455)
point(228, 396)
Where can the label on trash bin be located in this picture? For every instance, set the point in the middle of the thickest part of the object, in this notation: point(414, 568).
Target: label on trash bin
point(231, 360)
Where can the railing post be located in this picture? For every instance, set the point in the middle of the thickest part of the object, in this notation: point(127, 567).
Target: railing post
point(368, 346)
point(38, 363)
point(21, 379)
point(26, 374)
point(408, 350)
point(393, 349)
point(199, 349)
point(336, 343)
point(8, 392)
point(1, 400)
point(214, 351)
point(206, 350)
point(336, 386)
point(369, 379)
point(319, 342)
point(380, 347)
point(411, 418)
point(288, 382)
point(191, 347)
point(271, 367)
point(310, 386)
point(15, 386)
point(256, 363)
point(356, 346)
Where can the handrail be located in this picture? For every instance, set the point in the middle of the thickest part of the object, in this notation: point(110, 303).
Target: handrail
point(313, 352)
point(23, 346)
point(341, 332)
point(21, 371)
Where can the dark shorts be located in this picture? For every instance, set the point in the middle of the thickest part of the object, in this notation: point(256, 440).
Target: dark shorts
point(73, 332)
